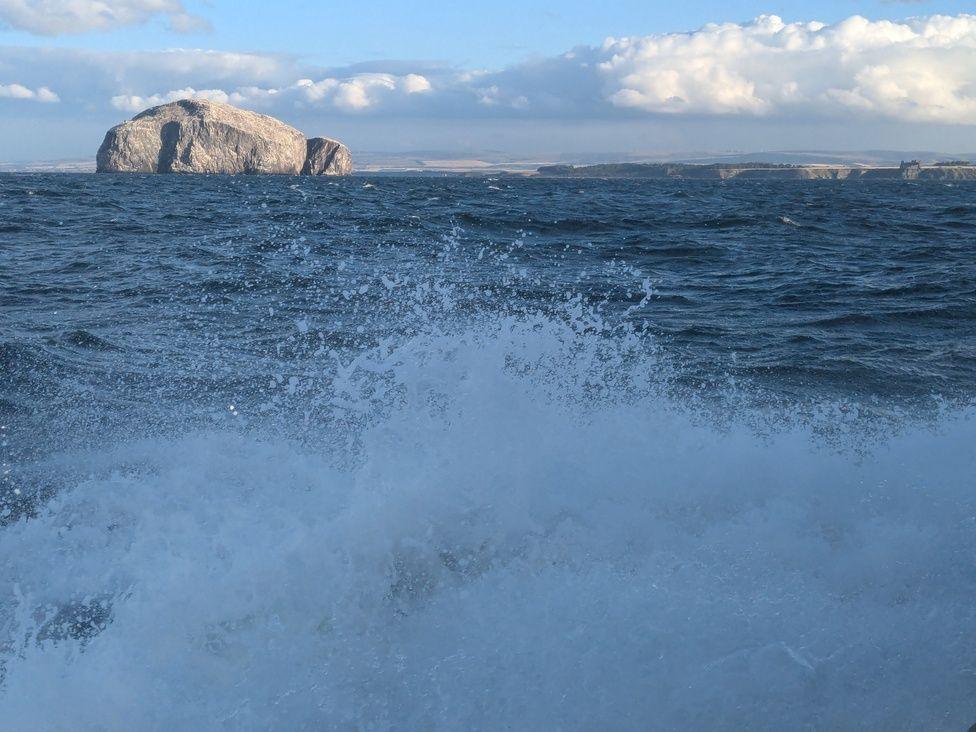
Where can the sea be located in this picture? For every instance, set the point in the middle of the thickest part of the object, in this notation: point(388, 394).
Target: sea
point(486, 453)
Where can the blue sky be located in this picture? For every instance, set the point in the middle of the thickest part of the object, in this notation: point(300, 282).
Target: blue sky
point(519, 76)
point(496, 33)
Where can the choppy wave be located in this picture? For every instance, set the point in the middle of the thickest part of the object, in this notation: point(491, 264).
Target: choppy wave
point(450, 483)
point(531, 535)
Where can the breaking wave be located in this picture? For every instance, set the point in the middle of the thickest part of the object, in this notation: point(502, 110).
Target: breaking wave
point(302, 458)
point(513, 520)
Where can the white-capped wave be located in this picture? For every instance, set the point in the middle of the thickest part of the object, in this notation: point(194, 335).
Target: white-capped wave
point(525, 533)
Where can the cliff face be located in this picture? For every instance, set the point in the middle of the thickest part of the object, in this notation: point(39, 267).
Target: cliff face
point(327, 157)
point(199, 136)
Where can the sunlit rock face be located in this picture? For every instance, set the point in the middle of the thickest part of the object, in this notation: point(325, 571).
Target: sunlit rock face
point(327, 157)
point(199, 136)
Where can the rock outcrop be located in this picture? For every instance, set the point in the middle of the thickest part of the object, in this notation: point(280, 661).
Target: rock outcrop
point(199, 136)
point(325, 156)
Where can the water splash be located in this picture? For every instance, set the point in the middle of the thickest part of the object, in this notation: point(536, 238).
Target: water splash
point(381, 483)
point(520, 527)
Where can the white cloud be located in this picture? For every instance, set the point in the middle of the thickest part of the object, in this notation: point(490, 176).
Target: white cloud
point(19, 91)
point(57, 17)
point(135, 103)
point(921, 69)
point(415, 84)
point(348, 94)
point(358, 92)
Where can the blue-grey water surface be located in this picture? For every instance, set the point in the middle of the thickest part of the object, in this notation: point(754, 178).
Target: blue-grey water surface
point(444, 453)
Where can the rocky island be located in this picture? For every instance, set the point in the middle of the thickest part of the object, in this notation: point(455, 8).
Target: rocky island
point(911, 170)
point(200, 136)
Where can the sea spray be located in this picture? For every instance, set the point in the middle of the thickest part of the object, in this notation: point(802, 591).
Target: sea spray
point(522, 540)
point(420, 457)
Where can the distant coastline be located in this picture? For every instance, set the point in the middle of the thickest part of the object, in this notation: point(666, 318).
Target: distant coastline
point(77, 165)
point(910, 170)
point(433, 164)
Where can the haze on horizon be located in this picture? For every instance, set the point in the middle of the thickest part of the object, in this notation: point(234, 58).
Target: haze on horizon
point(529, 77)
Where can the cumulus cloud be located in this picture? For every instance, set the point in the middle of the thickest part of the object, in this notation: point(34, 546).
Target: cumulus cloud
point(19, 91)
point(922, 69)
point(95, 77)
point(57, 17)
point(916, 70)
point(135, 103)
point(354, 93)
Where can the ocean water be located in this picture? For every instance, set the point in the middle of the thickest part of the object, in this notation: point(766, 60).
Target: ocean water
point(407, 453)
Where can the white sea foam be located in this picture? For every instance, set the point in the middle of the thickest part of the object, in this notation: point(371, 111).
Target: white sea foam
point(526, 534)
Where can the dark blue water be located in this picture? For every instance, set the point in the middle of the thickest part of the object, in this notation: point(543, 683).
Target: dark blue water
point(410, 453)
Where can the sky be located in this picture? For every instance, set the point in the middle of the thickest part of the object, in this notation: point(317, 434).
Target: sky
point(519, 77)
